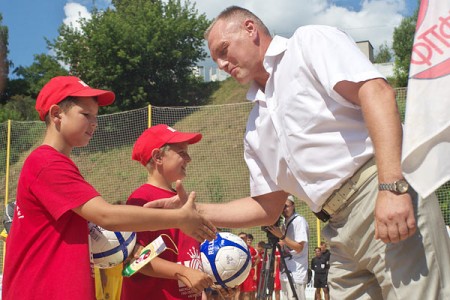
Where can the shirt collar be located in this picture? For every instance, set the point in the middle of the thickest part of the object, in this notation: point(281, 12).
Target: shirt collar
point(277, 46)
point(291, 217)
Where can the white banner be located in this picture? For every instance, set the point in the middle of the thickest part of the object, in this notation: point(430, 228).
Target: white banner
point(426, 141)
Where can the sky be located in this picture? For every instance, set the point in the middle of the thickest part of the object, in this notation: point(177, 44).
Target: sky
point(30, 22)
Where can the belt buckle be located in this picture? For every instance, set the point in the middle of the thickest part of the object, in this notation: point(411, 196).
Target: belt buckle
point(322, 216)
point(338, 200)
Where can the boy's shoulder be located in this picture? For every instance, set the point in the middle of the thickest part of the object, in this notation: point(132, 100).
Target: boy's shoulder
point(149, 192)
point(46, 158)
point(45, 151)
point(45, 154)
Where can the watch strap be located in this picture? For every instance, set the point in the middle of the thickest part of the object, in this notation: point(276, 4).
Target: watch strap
point(387, 187)
point(399, 186)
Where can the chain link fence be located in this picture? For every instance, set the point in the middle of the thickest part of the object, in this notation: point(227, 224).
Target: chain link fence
point(217, 172)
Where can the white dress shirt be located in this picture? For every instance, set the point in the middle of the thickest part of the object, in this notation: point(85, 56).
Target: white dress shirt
point(303, 137)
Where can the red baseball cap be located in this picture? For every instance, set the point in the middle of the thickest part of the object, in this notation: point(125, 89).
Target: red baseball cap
point(61, 87)
point(157, 136)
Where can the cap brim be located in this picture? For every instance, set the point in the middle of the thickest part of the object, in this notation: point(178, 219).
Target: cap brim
point(104, 98)
point(182, 137)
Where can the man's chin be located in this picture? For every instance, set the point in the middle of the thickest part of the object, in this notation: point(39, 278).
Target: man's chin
point(242, 80)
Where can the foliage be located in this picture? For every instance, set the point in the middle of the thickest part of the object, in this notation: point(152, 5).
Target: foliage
point(143, 50)
point(19, 108)
point(403, 40)
point(38, 74)
point(4, 63)
point(383, 54)
point(23, 90)
point(8, 114)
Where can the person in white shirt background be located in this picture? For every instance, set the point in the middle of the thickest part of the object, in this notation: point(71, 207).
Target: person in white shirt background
point(294, 239)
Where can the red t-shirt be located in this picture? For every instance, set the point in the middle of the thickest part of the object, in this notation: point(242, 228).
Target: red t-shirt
point(47, 253)
point(140, 286)
point(250, 284)
point(277, 283)
point(262, 264)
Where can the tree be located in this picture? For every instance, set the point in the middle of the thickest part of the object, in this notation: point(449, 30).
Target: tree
point(403, 40)
point(383, 54)
point(4, 63)
point(22, 91)
point(34, 77)
point(143, 50)
point(19, 108)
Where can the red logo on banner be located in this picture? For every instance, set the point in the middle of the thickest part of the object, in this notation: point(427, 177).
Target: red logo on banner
point(431, 50)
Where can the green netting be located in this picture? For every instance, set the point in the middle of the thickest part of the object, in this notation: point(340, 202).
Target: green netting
point(217, 171)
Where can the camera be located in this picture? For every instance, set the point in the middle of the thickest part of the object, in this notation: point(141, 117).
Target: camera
point(277, 224)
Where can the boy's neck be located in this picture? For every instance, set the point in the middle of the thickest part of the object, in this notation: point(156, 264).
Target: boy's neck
point(52, 139)
point(159, 182)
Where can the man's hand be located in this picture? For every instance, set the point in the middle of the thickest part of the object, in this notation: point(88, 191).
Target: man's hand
point(276, 231)
point(394, 217)
point(193, 223)
point(173, 202)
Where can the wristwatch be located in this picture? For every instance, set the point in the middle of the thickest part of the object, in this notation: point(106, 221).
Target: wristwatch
point(399, 186)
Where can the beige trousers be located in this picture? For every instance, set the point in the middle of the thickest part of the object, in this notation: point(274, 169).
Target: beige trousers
point(364, 268)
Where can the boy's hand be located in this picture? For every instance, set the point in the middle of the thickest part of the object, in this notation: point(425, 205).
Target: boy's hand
point(196, 280)
point(228, 293)
point(194, 224)
point(134, 254)
point(173, 202)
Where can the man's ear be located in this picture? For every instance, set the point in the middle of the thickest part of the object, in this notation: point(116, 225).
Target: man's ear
point(252, 30)
point(250, 27)
point(55, 113)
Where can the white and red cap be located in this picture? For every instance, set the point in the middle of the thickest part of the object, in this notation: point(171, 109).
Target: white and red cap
point(61, 87)
point(157, 136)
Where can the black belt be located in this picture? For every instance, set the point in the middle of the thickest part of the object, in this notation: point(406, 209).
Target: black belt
point(322, 216)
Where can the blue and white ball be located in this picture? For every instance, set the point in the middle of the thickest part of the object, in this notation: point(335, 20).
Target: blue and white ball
point(110, 248)
point(226, 259)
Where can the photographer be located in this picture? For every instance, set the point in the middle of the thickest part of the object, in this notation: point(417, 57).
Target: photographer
point(294, 239)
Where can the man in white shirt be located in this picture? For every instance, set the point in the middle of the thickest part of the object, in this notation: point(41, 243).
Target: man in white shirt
point(294, 240)
point(322, 113)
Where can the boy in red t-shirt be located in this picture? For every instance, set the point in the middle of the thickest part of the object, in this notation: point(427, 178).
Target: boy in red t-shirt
point(48, 253)
point(262, 264)
point(163, 151)
point(276, 267)
point(249, 286)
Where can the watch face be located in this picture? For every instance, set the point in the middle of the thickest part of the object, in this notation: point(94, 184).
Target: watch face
point(402, 186)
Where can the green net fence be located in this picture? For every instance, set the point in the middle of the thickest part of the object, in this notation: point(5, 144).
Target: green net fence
point(217, 171)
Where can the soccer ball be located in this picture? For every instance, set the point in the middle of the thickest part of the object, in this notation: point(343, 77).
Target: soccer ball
point(110, 248)
point(226, 259)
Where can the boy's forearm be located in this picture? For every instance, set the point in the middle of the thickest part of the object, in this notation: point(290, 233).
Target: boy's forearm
point(162, 268)
point(127, 217)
